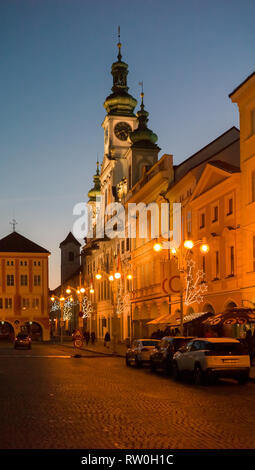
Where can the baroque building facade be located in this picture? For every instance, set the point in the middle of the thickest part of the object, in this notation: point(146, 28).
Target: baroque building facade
point(215, 188)
point(24, 287)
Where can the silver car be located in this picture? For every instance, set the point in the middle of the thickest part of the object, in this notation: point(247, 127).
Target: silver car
point(140, 351)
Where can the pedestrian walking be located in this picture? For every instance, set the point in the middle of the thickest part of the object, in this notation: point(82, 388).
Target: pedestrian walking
point(93, 337)
point(87, 337)
point(107, 339)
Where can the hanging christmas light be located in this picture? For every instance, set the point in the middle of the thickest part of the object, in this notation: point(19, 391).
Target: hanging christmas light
point(195, 284)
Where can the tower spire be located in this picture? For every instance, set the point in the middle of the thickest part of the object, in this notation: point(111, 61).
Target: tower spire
point(119, 102)
point(119, 45)
point(142, 135)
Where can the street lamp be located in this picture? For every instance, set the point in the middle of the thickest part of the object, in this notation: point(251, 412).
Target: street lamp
point(157, 247)
point(80, 291)
point(61, 300)
point(113, 278)
point(189, 245)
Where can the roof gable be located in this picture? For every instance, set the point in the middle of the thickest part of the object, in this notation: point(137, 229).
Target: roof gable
point(69, 239)
point(206, 153)
point(214, 173)
point(16, 243)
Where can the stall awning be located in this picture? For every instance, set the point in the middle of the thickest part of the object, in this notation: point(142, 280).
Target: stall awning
point(175, 320)
point(235, 316)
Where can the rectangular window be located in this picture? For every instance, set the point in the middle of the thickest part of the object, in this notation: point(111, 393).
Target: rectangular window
point(253, 239)
point(215, 214)
point(25, 303)
point(203, 263)
point(37, 280)
point(1, 303)
point(123, 246)
point(127, 244)
point(232, 261)
point(35, 303)
point(202, 220)
point(230, 206)
point(8, 303)
point(253, 122)
point(10, 280)
point(23, 280)
point(253, 186)
point(71, 256)
point(189, 223)
point(217, 265)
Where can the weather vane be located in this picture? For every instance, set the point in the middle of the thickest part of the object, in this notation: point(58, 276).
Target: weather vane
point(13, 223)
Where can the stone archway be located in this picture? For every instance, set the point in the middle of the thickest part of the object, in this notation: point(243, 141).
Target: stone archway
point(6, 331)
point(229, 305)
point(208, 308)
point(34, 329)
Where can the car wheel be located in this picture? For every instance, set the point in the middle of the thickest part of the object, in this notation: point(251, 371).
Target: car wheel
point(242, 380)
point(137, 362)
point(175, 371)
point(198, 375)
point(127, 362)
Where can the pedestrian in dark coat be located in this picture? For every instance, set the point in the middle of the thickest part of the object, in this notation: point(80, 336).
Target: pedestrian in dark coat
point(87, 337)
point(93, 337)
point(107, 338)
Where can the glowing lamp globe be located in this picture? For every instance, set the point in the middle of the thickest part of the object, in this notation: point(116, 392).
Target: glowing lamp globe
point(157, 247)
point(189, 244)
point(204, 248)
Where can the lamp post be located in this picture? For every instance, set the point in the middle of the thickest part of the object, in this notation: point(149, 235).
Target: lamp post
point(61, 300)
point(115, 280)
point(80, 292)
point(182, 258)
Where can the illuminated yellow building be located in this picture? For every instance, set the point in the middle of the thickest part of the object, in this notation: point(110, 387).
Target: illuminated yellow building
point(23, 287)
point(216, 190)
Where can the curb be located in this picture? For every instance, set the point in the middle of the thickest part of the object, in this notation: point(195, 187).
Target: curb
point(110, 354)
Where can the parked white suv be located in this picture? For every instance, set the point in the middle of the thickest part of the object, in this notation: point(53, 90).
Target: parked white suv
point(208, 358)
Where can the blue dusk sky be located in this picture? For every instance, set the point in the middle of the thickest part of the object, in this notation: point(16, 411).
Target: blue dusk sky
point(56, 57)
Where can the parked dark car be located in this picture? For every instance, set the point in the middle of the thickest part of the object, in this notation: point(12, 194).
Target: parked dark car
point(22, 340)
point(162, 354)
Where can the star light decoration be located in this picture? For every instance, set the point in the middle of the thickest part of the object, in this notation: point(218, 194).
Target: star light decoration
point(120, 302)
point(55, 306)
point(68, 309)
point(87, 307)
point(195, 284)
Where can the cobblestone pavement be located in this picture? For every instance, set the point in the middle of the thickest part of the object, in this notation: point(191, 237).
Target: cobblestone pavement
point(97, 402)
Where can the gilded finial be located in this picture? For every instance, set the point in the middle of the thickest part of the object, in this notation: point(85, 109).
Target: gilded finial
point(97, 166)
point(119, 45)
point(142, 93)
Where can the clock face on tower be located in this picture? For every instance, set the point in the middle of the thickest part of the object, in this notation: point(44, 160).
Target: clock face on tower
point(122, 130)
